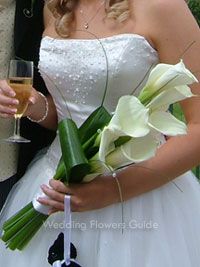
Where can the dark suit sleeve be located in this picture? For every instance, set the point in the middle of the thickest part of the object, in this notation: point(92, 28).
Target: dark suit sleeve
point(27, 38)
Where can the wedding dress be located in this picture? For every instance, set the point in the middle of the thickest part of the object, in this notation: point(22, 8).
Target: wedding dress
point(161, 227)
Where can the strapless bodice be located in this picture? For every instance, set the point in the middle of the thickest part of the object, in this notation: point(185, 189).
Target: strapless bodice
point(75, 71)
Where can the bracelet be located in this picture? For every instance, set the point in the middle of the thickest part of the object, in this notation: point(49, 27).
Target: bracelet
point(46, 110)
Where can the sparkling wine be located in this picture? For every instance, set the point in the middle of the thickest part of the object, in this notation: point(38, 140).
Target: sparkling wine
point(22, 87)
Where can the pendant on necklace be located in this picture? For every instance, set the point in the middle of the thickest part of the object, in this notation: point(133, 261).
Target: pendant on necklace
point(86, 25)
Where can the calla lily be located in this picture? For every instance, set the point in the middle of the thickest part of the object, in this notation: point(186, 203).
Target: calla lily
point(163, 100)
point(163, 121)
point(164, 77)
point(129, 119)
point(108, 136)
point(166, 85)
point(97, 167)
point(135, 150)
point(138, 121)
point(166, 123)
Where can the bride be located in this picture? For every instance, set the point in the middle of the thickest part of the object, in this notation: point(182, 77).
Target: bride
point(162, 219)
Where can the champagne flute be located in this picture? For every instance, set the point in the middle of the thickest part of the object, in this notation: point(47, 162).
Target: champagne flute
point(20, 79)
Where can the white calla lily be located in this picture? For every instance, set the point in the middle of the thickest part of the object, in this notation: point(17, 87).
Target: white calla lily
point(135, 150)
point(108, 136)
point(166, 123)
point(130, 117)
point(164, 77)
point(144, 119)
point(166, 98)
point(97, 167)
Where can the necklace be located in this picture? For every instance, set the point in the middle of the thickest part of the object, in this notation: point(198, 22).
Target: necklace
point(87, 21)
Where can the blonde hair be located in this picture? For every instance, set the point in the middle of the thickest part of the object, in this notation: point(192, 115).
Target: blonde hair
point(63, 11)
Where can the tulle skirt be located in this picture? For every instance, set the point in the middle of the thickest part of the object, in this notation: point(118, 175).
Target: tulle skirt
point(159, 228)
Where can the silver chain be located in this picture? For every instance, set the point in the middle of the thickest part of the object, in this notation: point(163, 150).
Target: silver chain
point(86, 22)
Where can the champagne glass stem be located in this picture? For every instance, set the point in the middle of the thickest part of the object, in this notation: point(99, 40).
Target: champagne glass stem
point(17, 126)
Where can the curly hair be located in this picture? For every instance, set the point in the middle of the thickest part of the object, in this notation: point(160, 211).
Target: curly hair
point(63, 12)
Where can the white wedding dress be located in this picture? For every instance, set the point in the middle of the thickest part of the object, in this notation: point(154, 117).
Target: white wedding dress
point(161, 227)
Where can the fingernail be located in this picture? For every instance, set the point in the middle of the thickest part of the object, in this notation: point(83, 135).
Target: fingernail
point(12, 93)
point(32, 100)
point(44, 186)
point(15, 102)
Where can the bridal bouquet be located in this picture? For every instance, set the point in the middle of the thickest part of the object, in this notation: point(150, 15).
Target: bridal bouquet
point(105, 143)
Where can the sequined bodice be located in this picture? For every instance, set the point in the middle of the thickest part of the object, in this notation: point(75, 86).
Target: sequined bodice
point(75, 71)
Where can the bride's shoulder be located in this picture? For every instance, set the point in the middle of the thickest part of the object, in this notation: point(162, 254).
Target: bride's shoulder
point(160, 13)
point(165, 17)
point(159, 8)
point(169, 25)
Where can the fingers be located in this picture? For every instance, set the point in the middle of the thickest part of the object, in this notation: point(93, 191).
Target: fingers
point(34, 96)
point(53, 210)
point(55, 200)
point(8, 105)
point(33, 99)
point(6, 89)
point(7, 111)
point(7, 102)
point(51, 193)
point(56, 194)
point(55, 205)
point(60, 187)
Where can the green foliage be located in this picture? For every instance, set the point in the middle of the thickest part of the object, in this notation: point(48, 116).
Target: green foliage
point(194, 6)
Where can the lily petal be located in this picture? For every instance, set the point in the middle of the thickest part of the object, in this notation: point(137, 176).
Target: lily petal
point(176, 75)
point(166, 98)
point(130, 117)
point(164, 77)
point(108, 136)
point(167, 124)
point(135, 150)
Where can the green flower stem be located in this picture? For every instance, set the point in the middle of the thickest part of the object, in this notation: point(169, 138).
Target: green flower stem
point(17, 215)
point(97, 120)
point(60, 171)
point(29, 229)
point(90, 142)
point(19, 224)
point(40, 220)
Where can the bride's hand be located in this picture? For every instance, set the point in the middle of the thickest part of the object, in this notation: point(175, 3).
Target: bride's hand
point(33, 99)
point(97, 194)
point(8, 102)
